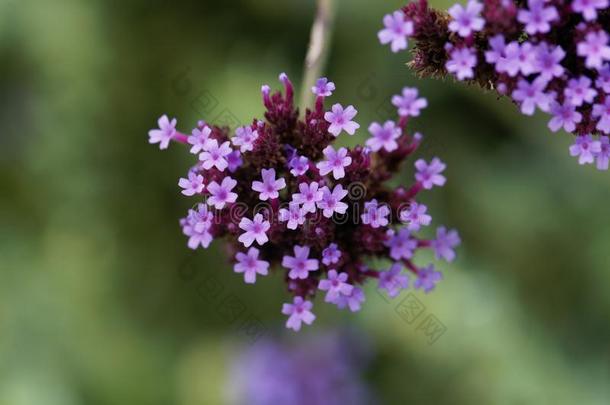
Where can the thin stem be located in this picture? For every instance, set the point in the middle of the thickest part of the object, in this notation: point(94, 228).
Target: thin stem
point(319, 45)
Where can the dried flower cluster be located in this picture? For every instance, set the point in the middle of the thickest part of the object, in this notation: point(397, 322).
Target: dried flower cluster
point(284, 198)
point(551, 55)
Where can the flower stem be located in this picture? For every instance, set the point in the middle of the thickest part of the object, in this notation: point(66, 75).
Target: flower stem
point(319, 44)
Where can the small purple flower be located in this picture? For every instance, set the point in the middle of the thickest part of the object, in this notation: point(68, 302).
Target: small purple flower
point(222, 194)
point(197, 225)
point(294, 215)
point(165, 133)
point(374, 214)
point(548, 61)
point(429, 175)
point(588, 8)
point(531, 95)
point(409, 104)
point(336, 162)
point(538, 18)
point(392, 281)
point(579, 91)
point(353, 301)
point(401, 244)
point(234, 161)
point(466, 20)
point(427, 278)
point(250, 265)
point(300, 264)
point(462, 62)
point(255, 230)
point(341, 120)
point(198, 139)
point(518, 58)
point(384, 137)
point(564, 115)
point(603, 156)
point(602, 112)
point(269, 188)
point(444, 243)
point(497, 46)
point(193, 185)
point(298, 165)
point(214, 155)
point(331, 254)
point(308, 196)
point(415, 217)
point(335, 286)
point(244, 138)
point(603, 79)
point(323, 87)
point(586, 149)
point(299, 312)
point(594, 49)
point(397, 30)
point(331, 201)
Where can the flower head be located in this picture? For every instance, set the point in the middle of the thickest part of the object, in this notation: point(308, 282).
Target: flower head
point(429, 175)
point(409, 104)
point(335, 285)
point(594, 49)
point(538, 17)
point(445, 243)
point(249, 264)
point(298, 312)
point(192, 185)
point(397, 30)
point(254, 230)
point(393, 281)
point(215, 155)
point(331, 201)
point(427, 279)
point(336, 161)
point(222, 194)
point(341, 120)
point(165, 133)
point(300, 264)
point(308, 196)
point(462, 62)
point(198, 139)
point(466, 20)
point(244, 138)
point(268, 188)
point(586, 149)
point(323, 87)
point(383, 137)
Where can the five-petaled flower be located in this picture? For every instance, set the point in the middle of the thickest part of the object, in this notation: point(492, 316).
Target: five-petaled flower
point(341, 120)
point(165, 133)
point(254, 230)
point(268, 188)
point(300, 264)
point(222, 194)
point(298, 312)
point(336, 162)
point(250, 265)
point(397, 30)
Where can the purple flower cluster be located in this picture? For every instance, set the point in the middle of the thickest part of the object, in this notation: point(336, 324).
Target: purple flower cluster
point(547, 55)
point(287, 200)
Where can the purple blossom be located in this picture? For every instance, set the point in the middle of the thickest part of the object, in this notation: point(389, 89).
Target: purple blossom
point(300, 264)
point(466, 20)
point(197, 227)
point(401, 244)
point(497, 46)
point(564, 115)
point(335, 286)
point(429, 175)
point(603, 156)
point(409, 104)
point(353, 301)
point(603, 79)
point(375, 215)
point(538, 18)
point(579, 91)
point(323, 87)
point(392, 281)
point(445, 243)
point(214, 155)
point(193, 185)
point(221, 194)
point(415, 216)
point(594, 49)
point(586, 149)
point(341, 120)
point(234, 161)
point(244, 138)
point(298, 165)
point(336, 162)
point(427, 278)
point(383, 137)
point(308, 196)
point(269, 188)
point(198, 139)
point(588, 8)
point(518, 58)
point(548, 61)
point(530, 95)
point(299, 312)
point(250, 265)
point(331, 201)
point(462, 62)
point(331, 254)
point(397, 30)
point(165, 133)
point(294, 215)
point(255, 230)
point(602, 112)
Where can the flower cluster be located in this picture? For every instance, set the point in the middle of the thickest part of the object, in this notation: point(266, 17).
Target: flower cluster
point(286, 199)
point(550, 55)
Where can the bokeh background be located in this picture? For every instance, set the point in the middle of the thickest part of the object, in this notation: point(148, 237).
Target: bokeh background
point(102, 303)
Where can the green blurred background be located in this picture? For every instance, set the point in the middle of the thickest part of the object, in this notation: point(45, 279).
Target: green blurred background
point(93, 307)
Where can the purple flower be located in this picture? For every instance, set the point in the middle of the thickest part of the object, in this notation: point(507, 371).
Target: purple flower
point(603, 79)
point(375, 215)
point(603, 156)
point(409, 105)
point(222, 194)
point(579, 91)
point(298, 165)
point(165, 133)
point(244, 138)
point(197, 226)
point(401, 244)
point(193, 185)
point(335, 286)
point(234, 160)
point(198, 139)
point(538, 17)
point(300, 264)
point(531, 95)
point(299, 312)
point(415, 216)
point(497, 45)
point(588, 8)
point(308, 196)
point(255, 230)
point(269, 188)
point(331, 201)
point(518, 58)
point(383, 137)
point(564, 115)
point(429, 175)
point(444, 243)
point(353, 301)
point(548, 61)
point(586, 149)
point(341, 120)
point(294, 215)
point(214, 155)
point(594, 49)
point(466, 20)
point(602, 112)
point(250, 265)
point(336, 162)
point(392, 281)
point(427, 278)
point(331, 254)
point(323, 87)
point(397, 30)
point(462, 62)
